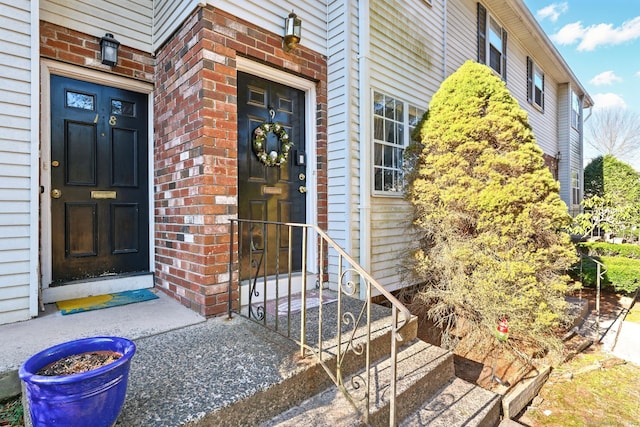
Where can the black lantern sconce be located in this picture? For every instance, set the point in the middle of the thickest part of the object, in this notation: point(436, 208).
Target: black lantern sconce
point(292, 28)
point(109, 49)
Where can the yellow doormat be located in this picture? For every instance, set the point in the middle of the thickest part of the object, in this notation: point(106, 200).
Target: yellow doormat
point(98, 302)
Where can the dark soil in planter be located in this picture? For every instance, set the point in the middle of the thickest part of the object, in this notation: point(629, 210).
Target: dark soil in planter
point(78, 363)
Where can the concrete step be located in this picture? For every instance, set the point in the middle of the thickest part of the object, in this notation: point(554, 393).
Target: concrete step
point(237, 372)
point(458, 403)
point(422, 370)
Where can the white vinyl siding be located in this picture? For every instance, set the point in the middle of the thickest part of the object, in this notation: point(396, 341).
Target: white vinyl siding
point(342, 124)
point(267, 14)
point(406, 48)
point(570, 150)
point(169, 15)
point(407, 63)
point(576, 153)
point(18, 236)
point(130, 21)
point(392, 240)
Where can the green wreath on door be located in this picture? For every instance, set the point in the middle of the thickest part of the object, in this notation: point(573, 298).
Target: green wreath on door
point(273, 158)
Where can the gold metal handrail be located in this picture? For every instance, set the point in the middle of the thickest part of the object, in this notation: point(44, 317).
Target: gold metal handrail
point(255, 259)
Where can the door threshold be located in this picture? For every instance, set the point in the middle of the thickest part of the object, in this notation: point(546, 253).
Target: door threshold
point(97, 286)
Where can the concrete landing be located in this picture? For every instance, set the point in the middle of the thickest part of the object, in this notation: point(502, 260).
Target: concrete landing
point(22, 339)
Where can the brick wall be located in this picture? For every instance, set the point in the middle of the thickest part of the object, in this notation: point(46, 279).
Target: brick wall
point(552, 163)
point(196, 148)
point(74, 47)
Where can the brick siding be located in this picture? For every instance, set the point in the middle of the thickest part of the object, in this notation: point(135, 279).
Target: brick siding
point(195, 159)
point(73, 47)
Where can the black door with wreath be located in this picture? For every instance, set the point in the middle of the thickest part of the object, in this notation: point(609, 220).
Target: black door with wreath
point(267, 190)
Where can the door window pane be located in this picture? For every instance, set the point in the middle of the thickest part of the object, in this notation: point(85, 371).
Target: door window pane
point(80, 100)
point(123, 108)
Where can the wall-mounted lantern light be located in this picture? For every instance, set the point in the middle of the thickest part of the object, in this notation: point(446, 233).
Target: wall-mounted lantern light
point(292, 28)
point(109, 48)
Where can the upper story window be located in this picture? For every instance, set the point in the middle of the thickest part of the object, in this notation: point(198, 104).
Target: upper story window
point(393, 123)
point(575, 110)
point(492, 43)
point(535, 84)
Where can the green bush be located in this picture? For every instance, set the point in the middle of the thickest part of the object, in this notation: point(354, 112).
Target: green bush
point(622, 274)
point(597, 249)
point(490, 216)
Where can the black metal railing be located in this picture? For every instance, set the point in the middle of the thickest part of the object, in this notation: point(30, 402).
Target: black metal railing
point(282, 274)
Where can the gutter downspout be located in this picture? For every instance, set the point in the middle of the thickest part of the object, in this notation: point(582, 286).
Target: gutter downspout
point(364, 130)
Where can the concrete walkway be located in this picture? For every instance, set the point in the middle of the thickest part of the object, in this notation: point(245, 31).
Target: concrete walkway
point(617, 336)
point(22, 339)
point(627, 345)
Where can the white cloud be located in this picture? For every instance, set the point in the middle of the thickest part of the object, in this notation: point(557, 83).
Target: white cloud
point(594, 36)
point(605, 78)
point(638, 74)
point(569, 34)
point(608, 100)
point(553, 11)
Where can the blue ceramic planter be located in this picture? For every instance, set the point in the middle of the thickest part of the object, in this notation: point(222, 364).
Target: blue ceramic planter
point(92, 398)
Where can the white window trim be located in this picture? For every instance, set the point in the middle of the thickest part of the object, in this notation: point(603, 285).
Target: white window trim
point(575, 188)
point(577, 114)
point(534, 70)
point(488, 17)
point(405, 143)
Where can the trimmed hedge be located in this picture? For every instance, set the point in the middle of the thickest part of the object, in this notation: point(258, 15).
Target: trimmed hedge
point(622, 275)
point(597, 249)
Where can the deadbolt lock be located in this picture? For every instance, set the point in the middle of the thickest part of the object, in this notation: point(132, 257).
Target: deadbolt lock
point(301, 177)
point(55, 163)
point(56, 194)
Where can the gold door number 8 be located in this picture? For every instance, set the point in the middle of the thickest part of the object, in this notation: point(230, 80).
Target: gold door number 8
point(112, 120)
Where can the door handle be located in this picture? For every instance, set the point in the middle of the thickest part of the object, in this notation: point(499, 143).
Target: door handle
point(302, 189)
point(56, 194)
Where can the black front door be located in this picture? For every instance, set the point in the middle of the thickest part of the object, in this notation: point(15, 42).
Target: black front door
point(268, 192)
point(99, 180)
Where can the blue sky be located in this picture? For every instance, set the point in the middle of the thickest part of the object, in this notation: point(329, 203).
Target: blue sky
point(600, 40)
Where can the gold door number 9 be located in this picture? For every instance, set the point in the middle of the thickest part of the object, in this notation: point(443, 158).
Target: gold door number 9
point(112, 120)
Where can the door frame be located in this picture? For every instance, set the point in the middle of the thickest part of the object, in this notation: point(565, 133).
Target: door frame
point(309, 88)
point(98, 286)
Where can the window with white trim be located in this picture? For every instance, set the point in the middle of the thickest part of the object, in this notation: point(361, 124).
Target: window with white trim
point(575, 110)
point(535, 84)
point(575, 187)
point(393, 124)
point(492, 43)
